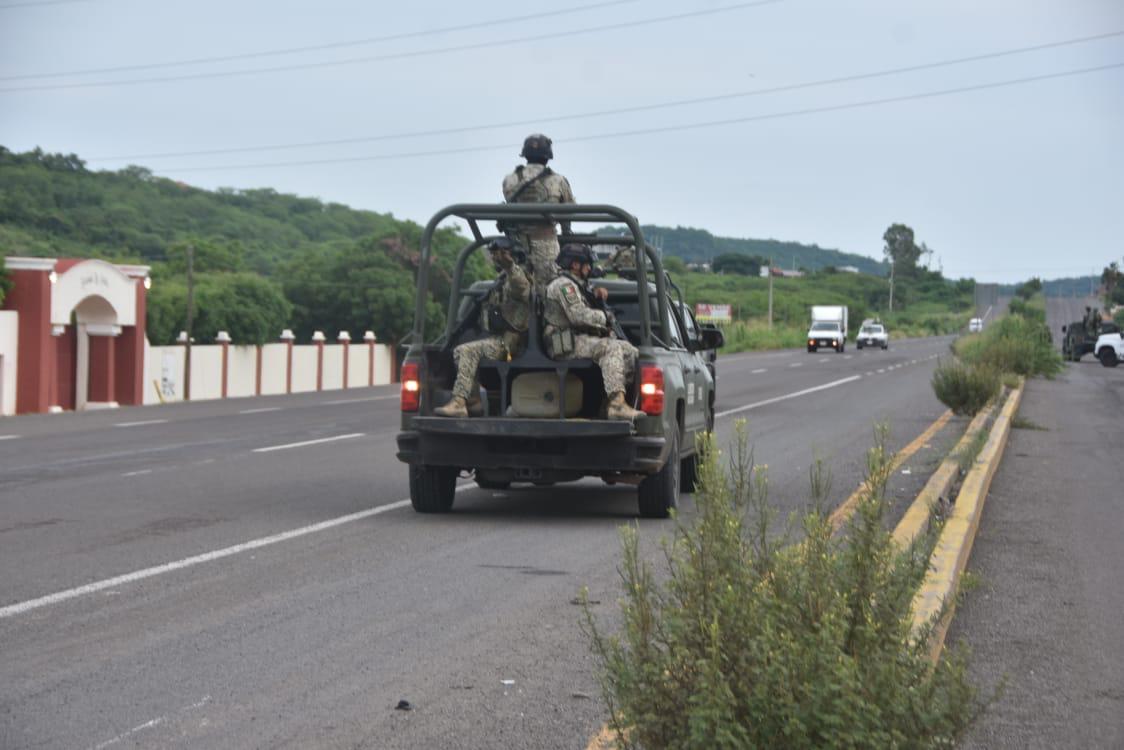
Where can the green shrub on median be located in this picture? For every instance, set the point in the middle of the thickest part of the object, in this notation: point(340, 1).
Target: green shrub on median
point(754, 643)
point(966, 389)
point(1015, 343)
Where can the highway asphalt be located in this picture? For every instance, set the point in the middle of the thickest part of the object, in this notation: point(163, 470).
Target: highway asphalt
point(246, 574)
point(1046, 615)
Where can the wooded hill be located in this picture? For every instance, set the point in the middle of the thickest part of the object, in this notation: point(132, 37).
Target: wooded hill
point(700, 246)
point(266, 260)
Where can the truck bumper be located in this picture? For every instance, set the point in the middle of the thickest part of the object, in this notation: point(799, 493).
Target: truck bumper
point(575, 445)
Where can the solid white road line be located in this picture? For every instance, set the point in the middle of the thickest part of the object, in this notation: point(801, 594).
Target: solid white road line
point(787, 396)
point(303, 443)
point(261, 410)
point(108, 583)
point(8, 437)
point(138, 424)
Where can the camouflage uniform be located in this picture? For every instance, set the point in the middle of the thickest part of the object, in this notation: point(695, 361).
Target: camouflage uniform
point(513, 297)
point(540, 240)
point(567, 308)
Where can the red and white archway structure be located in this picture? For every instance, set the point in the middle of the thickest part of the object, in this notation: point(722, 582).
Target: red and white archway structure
point(77, 335)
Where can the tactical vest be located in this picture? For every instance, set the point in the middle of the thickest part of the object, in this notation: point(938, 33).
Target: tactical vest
point(533, 190)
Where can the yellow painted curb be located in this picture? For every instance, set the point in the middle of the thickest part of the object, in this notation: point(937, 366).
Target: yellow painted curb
point(846, 509)
point(950, 556)
point(916, 518)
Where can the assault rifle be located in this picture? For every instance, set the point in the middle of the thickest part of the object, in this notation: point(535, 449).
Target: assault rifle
point(473, 313)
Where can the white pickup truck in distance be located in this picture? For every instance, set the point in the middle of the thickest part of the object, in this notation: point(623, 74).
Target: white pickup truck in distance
point(873, 335)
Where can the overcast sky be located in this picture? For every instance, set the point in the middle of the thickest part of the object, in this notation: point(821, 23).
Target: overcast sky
point(1003, 182)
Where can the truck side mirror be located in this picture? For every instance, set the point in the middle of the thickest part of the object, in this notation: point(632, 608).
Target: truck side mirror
point(711, 337)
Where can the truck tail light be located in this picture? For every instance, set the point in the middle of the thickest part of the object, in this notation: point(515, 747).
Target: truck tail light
point(411, 386)
point(651, 390)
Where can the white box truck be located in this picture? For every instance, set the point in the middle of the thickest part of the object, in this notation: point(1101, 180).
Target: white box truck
point(829, 327)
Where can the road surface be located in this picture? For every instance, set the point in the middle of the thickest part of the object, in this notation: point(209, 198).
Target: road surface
point(247, 574)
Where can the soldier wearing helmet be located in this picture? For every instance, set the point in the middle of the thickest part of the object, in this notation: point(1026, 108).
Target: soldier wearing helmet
point(504, 316)
point(534, 182)
point(576, 329)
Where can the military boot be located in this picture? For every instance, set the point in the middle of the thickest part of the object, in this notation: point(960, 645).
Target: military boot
point(475, 406)
point(455, 408)
point(618, 409)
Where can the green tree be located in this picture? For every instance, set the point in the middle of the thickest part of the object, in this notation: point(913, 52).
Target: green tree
point(1110, 278)
point(901, 250)
point(251, 309)
point(5, 281)
point(675, 266)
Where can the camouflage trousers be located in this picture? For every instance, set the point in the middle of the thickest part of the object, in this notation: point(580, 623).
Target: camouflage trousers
point(468, 356)
point(616, 358)
point(543, 254)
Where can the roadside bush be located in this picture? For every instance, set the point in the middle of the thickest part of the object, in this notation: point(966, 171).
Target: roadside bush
point(965, 388)
point(1013, 344)
point(752, 643)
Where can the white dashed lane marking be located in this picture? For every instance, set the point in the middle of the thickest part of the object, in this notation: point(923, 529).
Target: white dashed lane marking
point(303, 443)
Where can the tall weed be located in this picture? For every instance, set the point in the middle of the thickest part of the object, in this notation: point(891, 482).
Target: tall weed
point(751, 642)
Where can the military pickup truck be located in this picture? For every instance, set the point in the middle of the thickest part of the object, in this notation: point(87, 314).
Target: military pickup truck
point(543, 419)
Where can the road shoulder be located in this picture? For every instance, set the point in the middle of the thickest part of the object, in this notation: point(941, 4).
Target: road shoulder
point(1046, 615)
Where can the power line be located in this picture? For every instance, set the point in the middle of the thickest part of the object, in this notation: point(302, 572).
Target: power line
point(554, 35)
point(668, 128)
point(620, 110)
point(317, 47)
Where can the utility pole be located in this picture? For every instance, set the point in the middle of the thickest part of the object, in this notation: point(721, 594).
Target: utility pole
point(770, 293)
point(190, 316)
point(891, 284)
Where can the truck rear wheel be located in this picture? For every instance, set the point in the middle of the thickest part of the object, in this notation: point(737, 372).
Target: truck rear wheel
point(659, 493)
point(432, 488)
point(1107, 356)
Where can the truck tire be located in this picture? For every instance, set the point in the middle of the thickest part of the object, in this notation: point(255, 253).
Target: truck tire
point(859, 346)
point(432, 488)
point(1107, 356)
point(688, 473)
point(659, 493)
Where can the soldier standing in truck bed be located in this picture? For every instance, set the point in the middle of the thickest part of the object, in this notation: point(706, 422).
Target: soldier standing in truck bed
point(534, 182)
point(504, 316)
point(576, 330)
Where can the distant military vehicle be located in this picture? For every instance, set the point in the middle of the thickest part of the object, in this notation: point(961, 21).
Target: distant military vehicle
point(1081, 335)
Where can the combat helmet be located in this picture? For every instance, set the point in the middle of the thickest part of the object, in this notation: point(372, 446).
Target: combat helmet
point(575, 251)
point(537, 149)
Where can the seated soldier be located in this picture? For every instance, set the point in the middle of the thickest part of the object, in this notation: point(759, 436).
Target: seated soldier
point(504, 315)
point(576, 329)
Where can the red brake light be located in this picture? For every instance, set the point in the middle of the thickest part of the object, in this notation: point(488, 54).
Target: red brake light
point(651, 390)
point(411, 386)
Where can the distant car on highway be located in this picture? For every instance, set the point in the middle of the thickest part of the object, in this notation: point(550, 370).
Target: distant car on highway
point(1110, 349)
point(975, 325)
point(873, 333)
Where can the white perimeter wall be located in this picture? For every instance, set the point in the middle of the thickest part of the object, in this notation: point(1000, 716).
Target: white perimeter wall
point(9, 341)
point(274, 361)
point(304, 368)
point(165, 366)
point(357, 361)
point(206, 372)
point(333, 367)
point(242, 371)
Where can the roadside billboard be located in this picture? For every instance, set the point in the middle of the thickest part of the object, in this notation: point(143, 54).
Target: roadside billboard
point(707, 313)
